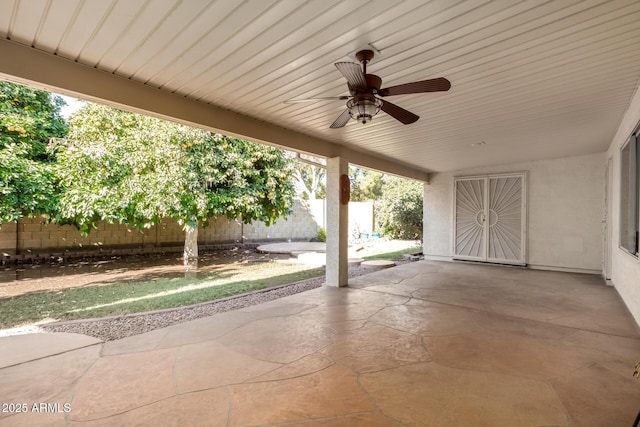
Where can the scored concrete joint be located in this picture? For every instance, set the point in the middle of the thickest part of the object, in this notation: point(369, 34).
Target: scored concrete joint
point(18, 349)
point(378, 264)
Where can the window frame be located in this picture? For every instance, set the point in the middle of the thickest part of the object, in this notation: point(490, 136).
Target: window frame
point(630, 205)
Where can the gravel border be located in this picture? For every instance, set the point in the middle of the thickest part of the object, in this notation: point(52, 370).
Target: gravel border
point(117, 327)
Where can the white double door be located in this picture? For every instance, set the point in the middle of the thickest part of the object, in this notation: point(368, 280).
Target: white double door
point(490, 218)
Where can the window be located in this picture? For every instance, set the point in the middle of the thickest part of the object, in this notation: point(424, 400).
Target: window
point(629, 197)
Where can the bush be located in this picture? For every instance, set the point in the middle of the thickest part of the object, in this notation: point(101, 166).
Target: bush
point(322, 235)
point(399, 210)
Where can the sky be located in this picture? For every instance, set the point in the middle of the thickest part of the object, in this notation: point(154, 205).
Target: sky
point(72, 106)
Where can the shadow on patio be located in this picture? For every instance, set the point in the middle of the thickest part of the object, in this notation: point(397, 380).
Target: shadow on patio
point(422, 344)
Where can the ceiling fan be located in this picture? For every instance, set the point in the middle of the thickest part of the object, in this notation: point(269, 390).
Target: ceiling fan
point(363, 103)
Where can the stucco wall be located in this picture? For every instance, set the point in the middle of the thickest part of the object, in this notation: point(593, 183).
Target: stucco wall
point(564, 209)
point(625, 269)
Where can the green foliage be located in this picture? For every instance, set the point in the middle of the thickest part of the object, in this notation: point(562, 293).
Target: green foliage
point(398, 202)
point(28, 119)
point(322, 235)
point(395, 255)
point(399, 211)
point(27, 187)
point(366, 184)
point(134, 169)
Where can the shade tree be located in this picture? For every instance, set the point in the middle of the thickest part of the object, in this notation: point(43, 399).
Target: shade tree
point(117, 166)
point(29, 118)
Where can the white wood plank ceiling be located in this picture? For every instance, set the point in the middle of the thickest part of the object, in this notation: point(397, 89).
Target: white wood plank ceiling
point(532, 79)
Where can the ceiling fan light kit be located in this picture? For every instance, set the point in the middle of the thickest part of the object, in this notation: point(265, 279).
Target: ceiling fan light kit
point(363, 107)
point(363, 104)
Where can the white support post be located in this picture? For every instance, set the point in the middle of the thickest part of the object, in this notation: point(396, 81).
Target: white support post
point(425, 191)
point(337, 225)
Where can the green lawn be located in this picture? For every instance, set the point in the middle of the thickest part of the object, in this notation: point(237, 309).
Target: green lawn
point(396, 254)
point(133, 297)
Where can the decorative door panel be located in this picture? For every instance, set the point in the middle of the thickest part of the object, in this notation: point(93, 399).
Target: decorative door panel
point(504, 219)
point(490, 218)
point(470, 241)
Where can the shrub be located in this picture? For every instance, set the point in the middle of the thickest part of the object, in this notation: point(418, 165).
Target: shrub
point(399, 210)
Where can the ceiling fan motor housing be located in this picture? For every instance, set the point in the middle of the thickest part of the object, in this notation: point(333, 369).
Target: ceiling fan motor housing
point(373, 82)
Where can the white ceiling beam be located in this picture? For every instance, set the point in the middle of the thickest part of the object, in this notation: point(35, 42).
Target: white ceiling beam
point(26, 65)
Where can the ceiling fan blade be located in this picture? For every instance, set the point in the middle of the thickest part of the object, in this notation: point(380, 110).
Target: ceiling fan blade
point(354, 75)
point(399, 113)
point(324, 98)
point(342, 120)
point(432, 85)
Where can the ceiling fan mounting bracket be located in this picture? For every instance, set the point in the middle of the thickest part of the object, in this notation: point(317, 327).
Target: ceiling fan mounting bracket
point(364, 55)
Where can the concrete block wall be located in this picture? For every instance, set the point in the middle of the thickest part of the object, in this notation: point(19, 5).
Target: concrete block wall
point(31, 236)
point(8, 238)
point(318, 210)
point(220, 230)
point(301, 224)
point(167, 233)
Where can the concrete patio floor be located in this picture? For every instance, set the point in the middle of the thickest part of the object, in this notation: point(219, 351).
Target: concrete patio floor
point(422, 344)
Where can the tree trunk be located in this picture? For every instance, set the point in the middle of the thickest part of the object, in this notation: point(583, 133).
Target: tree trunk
point(190, 256)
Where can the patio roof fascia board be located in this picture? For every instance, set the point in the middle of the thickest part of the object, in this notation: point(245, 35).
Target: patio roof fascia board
point(29, 66)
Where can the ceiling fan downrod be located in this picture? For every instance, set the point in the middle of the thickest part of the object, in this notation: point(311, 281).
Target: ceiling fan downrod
point(364, 56)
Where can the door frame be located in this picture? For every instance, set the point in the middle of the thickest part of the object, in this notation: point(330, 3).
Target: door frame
point(607, 258)
point(524, 175)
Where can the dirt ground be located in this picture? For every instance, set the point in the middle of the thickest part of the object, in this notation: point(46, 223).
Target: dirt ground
point(25, 278)
point(57, 275)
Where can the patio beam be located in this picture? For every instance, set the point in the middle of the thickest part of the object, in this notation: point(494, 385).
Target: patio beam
point(29, 66)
